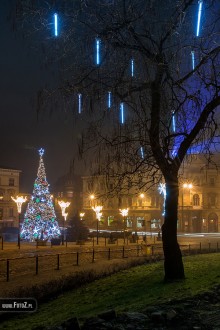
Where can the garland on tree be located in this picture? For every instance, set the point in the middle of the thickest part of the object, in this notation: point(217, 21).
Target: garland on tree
point(40, 218)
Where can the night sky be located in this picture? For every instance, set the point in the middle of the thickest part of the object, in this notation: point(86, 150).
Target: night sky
point(22, 131)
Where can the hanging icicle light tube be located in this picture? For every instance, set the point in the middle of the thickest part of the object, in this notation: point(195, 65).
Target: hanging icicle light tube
point(55, 25)
point(132, 67)
point(193, 59)
point(98, 51)
point(122, 112)
point(79, 103)
point(199, 17)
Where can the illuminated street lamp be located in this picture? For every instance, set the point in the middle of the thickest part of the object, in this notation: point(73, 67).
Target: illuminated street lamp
point(91, 197)
point(97, 209)
point(81, 215)
point(63, 206)
point(185, 186)
point(19, 200)
point(124, 213)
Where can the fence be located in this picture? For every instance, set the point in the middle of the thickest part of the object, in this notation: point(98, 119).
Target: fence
point(20, 266)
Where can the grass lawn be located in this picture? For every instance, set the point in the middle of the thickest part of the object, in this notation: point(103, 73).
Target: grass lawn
point(131, 289)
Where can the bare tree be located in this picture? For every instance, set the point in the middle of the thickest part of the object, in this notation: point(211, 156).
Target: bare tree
point(154, 61)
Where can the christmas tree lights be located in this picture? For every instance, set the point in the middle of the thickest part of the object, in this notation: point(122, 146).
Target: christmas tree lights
point(40, 218)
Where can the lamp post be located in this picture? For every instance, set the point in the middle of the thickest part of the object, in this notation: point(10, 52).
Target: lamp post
point(19, 200)
point(97, 209)
point(124, 213)
point(91, 197)
point(63, 206)
point(185, 186)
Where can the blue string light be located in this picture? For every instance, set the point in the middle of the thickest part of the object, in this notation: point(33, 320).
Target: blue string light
point(122, 112)
point(98, 51)
point(193, 59)
point(109, 100)
point(173, 122)
point(79, 103)
point(199, 17)
point(142, 152)
point(132, 67)
point(55, 25)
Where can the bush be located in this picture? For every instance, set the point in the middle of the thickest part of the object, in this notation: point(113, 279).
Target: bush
point(77, 231)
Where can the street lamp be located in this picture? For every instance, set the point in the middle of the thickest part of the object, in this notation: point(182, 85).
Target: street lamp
point(81, 215)
point(185, 186)
point(91, 197)
point(124, 213)
point(19, 200)
point(97, 209)
point(63, 206)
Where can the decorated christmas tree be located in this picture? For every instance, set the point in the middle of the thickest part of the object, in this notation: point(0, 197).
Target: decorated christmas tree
point(40, 218)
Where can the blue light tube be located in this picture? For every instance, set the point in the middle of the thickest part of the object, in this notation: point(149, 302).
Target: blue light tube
point(55, 25)
point(199, 18)
point(193, 59)
point(122, 112)
point(109, 100)
point(79, 103)
point(97, 51)
point(174, 122)
point(132, 67)
point(142, 152)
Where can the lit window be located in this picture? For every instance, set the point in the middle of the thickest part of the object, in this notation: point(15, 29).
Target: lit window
point(196, 200)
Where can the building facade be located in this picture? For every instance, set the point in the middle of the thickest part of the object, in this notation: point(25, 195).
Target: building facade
point(9, 186)
point(199, 196)
point(198, 205)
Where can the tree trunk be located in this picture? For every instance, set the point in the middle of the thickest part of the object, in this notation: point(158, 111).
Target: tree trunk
point(173, 264)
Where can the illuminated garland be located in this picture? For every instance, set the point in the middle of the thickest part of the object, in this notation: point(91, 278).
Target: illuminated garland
point(40, 218)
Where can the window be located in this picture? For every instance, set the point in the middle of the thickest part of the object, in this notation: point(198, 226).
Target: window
point(11, 212)
point(129, 222)
point(119, 201)
point(154, 201)
point(212, 199)
point(212, 181)
point(140, 222)
point(110, 220)
point(196, 200)
point(90, 186)
point(130, 201)
point(11, 182)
